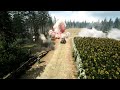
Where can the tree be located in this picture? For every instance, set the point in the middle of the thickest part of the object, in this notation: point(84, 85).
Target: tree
point(19, 25)
point(110, 23)
point(33, 24)
point(48, 25)
point(6, 32)
point(39, 22)
point(117, 23)
point(105, 26)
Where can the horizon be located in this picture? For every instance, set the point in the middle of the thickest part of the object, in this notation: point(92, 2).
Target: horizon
point(88, 16)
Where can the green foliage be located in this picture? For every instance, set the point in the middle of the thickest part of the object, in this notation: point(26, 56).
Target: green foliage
point(11, 59)
point(18, 26)
point(6, 33)
point(38, 22)
point(100, 57)
point(104, 25)
point(117, 23)
point(11, 55)
point(17, 29)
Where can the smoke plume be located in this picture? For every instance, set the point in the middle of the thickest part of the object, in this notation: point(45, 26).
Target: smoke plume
point(113, 33)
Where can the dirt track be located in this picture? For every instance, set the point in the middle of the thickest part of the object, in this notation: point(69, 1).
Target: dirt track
point(58, 64)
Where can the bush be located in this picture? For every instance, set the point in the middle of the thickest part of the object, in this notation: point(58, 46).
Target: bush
point(100, 57)
point(11, 59)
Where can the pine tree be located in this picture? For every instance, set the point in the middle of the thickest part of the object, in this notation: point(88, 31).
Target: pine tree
point(104, 27)
point(110, 23)
point(117, 23)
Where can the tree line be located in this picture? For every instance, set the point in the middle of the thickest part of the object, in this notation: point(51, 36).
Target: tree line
point(31, 23)
point(104, 25)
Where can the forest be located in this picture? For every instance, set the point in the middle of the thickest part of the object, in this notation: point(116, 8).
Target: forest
point(104, 25)
point(17, 29)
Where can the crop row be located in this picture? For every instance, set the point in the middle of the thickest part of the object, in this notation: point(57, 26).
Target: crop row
point(100, 57)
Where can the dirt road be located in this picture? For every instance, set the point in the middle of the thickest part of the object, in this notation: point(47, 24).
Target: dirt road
point(57, 64)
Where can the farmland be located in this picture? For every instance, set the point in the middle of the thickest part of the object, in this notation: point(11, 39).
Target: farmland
point(100, 57)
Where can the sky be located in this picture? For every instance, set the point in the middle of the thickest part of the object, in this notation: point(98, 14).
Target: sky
point(88, 16)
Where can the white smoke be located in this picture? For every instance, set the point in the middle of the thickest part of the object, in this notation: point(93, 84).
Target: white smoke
point(113, 33)
point(91, 33)
point(43, 38)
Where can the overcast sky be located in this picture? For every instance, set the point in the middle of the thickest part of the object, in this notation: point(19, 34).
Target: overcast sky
point(89, 16)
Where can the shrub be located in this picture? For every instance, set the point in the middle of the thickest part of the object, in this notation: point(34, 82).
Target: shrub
point(11, 59)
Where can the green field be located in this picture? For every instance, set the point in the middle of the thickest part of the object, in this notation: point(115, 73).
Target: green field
point(100, 57)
